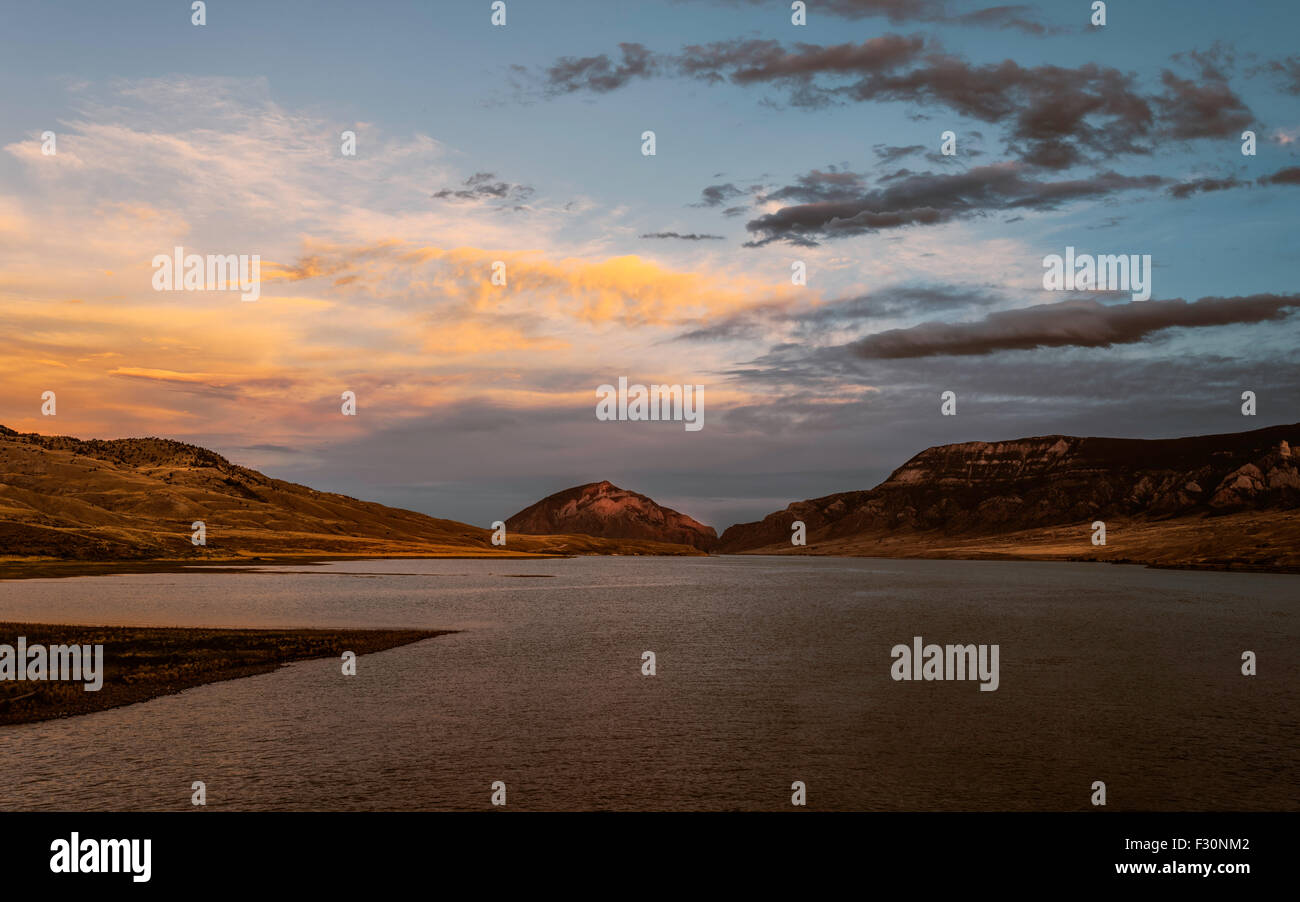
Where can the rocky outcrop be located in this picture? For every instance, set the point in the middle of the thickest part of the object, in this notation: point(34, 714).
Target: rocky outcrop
point(603, 509)
point(989, 488)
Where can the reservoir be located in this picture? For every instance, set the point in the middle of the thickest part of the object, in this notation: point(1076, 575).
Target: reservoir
point(768, 671)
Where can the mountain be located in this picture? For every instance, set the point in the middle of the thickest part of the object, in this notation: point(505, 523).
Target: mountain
point(1213, 501)
point(603, 509)
point(1216, 500)
point(136, 499)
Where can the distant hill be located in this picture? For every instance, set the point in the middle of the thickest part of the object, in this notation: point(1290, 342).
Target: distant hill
point(1217, 500)
point(603, 509)
point(1223, 501)
point(135, 499)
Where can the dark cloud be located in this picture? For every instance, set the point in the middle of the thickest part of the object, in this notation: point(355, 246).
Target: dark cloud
point(1108, 223)
point(754, 61)
point(1287, 176)
point(731, 329)
point(1197, 186)
point(1213, 64)
point(692, 236)
point(1005, 17)
point(887, 154)
point(925, 199)
point(894, 176)
point(1074, 323)
point(967, 153)
point(1013, 16)
point(897, 301)
point(717, 195)
point(1287, 72)
point(844, 313)
point(1205, 109)
point(819, 185)
point(599, 73)
point(1055, 116)
point(485, 186)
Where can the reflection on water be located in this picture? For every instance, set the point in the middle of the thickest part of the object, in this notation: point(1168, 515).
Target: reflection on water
point(769, 671)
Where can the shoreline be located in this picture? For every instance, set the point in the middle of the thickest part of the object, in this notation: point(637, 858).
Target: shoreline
point(143, 663)
point(46, 568)
point(15, 567)
point(1193, 566)
point(18, 569)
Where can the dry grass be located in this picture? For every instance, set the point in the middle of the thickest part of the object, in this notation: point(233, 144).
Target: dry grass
point(1267, 541)
point(135, 500)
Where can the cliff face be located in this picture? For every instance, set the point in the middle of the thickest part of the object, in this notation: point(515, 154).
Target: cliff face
point(135, 499)
point(983, 488)
point(603, 509)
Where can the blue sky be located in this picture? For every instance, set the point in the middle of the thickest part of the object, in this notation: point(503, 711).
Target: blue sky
point(224, 138)
point(441, 69)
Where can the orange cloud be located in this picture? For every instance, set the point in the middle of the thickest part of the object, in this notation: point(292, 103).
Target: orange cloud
point(627, 290)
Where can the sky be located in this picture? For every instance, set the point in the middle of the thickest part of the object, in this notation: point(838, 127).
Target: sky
point(775, 144)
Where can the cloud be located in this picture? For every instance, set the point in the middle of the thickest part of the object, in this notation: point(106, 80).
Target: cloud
point(888, 154)
point(1287, 71)
point(485, 186)
point(1288, 176)
point(818, 186)
point(628, 290)
point(1208, 109)
point(692, 236)
point(1108, 223)
point(717, 195)
point(600, 74)
point(135, 372)
point(841, 314)
point(1074, 323)
point(366, 284)
point(923, 199)
point(1012, 16)
point(1196, 186)
point(895, 301)
point(1215, 63)
point(754, 61)
point(1056, 117)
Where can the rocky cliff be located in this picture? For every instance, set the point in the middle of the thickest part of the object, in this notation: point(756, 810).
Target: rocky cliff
point(994, 488)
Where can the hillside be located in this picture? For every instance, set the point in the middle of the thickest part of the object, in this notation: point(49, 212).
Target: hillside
point(603, 509)
point(1218, 500)
point(135, 499)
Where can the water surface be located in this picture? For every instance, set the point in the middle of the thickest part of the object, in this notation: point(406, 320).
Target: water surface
point(770, 670)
